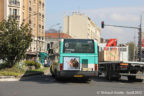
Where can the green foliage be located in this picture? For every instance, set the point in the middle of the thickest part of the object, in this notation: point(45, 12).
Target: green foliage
point(37, 70)
point(131, 51)
point(15, 39)
point(33, 63)
point(54, 66)
point(3, 65)
point(14, 71)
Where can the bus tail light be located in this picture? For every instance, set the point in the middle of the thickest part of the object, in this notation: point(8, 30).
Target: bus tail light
point(96, 67)
point(61, 67)
point(124, 65)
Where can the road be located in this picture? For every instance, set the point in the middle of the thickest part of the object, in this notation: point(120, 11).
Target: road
point(47, 86)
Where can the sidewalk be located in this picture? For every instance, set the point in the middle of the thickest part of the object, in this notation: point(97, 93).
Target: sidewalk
point(13, 78)
point(47, 72)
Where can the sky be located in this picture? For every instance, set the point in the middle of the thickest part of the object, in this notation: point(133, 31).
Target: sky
point(112, 12)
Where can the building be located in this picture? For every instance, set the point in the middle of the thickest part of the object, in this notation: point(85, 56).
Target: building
point(81, 26)
point(54, 37)
point(98, 34)
point(31, 12)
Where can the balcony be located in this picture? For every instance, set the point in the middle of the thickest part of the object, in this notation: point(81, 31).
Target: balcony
point(17, 17)
point(14, 4)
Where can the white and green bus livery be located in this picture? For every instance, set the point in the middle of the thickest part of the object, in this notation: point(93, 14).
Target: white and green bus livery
point(76, 58)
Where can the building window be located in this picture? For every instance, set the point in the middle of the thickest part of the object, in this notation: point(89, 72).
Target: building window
point(29, 2)
point(30, 9)
point(10, 11)
point(23, 4)
point(42, 27)
point(34, 1)
point(29, 21)
point(23, 16)
point(15, 12)
point(39, 3)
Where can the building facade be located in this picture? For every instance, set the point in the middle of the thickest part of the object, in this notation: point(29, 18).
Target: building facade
point(30, 12)
point(81, 26)
point(54, 37)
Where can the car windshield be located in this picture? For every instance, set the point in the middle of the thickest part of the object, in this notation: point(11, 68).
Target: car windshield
point(78, 46)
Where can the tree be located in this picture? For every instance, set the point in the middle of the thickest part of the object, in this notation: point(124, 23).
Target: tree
point(132, 50)
point(14, 41)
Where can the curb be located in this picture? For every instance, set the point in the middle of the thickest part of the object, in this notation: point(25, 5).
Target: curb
point(13, 78)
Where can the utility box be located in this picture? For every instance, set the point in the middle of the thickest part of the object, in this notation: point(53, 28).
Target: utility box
point(113, 53)
point(109, 55)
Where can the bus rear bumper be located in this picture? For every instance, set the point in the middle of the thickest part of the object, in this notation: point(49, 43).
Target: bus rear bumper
point(69, 74)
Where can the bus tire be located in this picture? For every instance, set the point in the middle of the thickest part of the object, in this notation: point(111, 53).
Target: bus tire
point(139, 80)
point(116, 78)
point(131, 78)
point(57, 76)
point(87, 79)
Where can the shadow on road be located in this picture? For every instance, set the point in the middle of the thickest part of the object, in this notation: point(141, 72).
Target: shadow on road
point(48, 79)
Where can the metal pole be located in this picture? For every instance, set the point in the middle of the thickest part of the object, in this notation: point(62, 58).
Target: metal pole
point(123, 26)
point(140, 39)
point(59, 34)
point(140, 36)
point(140, 43)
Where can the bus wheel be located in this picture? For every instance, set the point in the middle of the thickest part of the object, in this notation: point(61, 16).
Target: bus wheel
point(131, 78)
point(108, 75)
point(116, 78)
point(87, 79)
point(139, 80)
point(57, 76)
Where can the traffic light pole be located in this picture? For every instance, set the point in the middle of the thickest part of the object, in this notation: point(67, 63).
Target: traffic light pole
point(140, 36)
point(123, 26)
point(140, 44)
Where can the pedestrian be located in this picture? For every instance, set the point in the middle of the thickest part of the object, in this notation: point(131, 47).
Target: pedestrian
point(45, 62)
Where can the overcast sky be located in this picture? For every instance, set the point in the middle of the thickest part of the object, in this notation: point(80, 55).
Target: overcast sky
point(114, 12)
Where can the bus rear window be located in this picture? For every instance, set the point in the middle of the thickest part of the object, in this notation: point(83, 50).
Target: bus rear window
point(78, 46)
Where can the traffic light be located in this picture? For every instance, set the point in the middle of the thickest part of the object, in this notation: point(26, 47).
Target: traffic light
point(48, 46)
point(102, 24)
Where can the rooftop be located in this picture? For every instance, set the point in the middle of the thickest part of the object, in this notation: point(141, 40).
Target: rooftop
point(56, 35)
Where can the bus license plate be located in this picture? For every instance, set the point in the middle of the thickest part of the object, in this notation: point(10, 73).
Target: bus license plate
point(78, 75)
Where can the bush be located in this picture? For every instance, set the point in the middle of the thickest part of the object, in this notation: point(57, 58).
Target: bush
point(14, 71)
point(4, 65)
point(33, 63)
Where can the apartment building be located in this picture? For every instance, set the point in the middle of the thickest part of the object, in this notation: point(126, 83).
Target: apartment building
point(81, 26)
point(30, 12)
point(9, 8)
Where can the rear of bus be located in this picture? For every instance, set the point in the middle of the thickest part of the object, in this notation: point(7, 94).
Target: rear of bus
point(78, 58)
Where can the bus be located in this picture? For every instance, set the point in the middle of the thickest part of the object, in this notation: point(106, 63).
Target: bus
point(74, 58)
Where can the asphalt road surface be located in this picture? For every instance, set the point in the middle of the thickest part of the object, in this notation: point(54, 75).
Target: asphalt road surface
point(47, 86)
